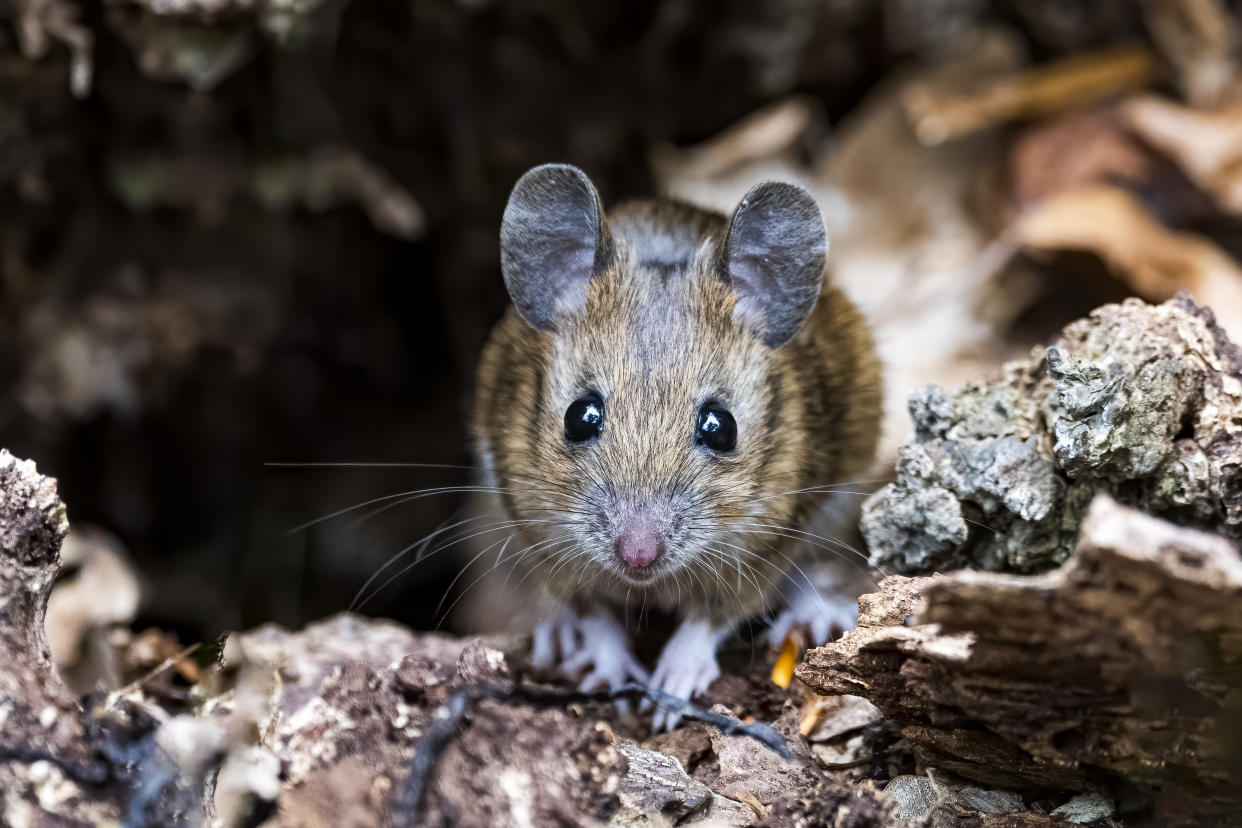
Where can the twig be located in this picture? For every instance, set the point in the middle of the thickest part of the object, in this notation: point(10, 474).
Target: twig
point(444, 722)
point(176, 658)
point(940, 115)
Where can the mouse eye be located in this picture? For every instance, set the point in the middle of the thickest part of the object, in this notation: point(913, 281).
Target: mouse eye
point(716, 428)
point(584, 419)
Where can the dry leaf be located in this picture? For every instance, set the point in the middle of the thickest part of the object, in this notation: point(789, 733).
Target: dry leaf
point(940, 115)
point(1206, 145)
point(1153, 260)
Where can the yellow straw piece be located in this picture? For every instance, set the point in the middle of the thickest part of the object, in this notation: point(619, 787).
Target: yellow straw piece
point(783, 672)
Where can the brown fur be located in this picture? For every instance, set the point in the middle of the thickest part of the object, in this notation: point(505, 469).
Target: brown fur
point(658, 338)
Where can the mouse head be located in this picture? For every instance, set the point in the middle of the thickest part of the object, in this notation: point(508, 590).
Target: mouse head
point(659, 419)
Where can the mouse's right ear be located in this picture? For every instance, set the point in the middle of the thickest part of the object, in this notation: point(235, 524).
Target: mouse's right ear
point(552, 240)
point(773, 259)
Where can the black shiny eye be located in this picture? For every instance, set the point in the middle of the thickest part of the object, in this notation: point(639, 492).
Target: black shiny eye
point(584, 419)
point(716, 428)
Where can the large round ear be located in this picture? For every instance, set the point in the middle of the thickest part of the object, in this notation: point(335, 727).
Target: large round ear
point(551, 242)
point(773, 259)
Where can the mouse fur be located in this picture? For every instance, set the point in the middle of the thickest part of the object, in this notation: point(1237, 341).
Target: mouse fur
point(659, 308)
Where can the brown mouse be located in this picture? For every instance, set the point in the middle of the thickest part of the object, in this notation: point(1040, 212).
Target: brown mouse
point(657, 410)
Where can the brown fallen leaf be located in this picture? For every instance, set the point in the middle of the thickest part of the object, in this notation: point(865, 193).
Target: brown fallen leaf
point(1073, 151)
point(1206, 145)
point(828, 717)
point(1152, 259)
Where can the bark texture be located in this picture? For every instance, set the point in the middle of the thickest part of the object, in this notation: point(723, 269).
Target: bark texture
point(1123, 664)
point(1141, 401)
point(357, 722)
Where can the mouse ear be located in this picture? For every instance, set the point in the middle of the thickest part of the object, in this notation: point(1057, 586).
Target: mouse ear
point(551, 240)
point(773, 258)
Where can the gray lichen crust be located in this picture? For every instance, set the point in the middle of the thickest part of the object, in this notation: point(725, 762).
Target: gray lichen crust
point(1141, 401)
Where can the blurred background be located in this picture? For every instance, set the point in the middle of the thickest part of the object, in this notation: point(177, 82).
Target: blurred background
point(243, 231)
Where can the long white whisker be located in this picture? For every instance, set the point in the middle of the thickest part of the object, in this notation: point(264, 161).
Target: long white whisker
point(357, 604)
point(413, 494)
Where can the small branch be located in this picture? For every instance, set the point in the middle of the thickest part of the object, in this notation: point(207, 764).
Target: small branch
point(940, 115)
point(444, 722)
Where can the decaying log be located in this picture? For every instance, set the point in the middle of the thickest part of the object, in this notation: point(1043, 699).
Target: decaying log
point(1124, 663)
point(357, 722)
point(42, 740)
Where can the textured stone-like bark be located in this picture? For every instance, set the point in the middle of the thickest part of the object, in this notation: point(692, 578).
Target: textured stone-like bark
point(42, 739)
point(354, 722)
point(1141, 401)
point(1126, 662)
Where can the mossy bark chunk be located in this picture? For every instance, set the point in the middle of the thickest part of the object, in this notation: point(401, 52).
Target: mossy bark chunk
point(1141, 401)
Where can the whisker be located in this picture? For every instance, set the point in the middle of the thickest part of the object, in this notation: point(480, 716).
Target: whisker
point(357, 604)
point(803, 533)
point(472, 585)
point(996, 532)
point(413, 494)
point(470, 563)
point(811, 538)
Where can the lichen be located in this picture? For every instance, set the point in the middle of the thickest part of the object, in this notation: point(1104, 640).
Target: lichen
point(1141, 401)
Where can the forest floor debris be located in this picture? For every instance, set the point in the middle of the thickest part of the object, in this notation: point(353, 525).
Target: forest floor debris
point(1095, 691)
point(1139, 400)
point(1119, 671)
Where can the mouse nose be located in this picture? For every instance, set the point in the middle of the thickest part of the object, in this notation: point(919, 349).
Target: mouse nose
point(640, 542)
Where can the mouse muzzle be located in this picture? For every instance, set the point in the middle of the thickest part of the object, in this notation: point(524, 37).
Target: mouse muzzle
point(640, 540)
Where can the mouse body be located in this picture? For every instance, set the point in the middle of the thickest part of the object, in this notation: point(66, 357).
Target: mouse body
point(657, 409)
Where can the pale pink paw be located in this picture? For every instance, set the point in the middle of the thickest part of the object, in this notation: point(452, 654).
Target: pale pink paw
point(603, 650)
point(687, 667)
point(553, 637)
point(821, 613)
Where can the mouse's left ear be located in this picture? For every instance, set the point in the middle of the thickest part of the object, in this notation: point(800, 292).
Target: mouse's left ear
point(773, 259)
point(552, 240)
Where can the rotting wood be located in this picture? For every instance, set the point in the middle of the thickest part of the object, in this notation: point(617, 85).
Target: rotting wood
point(1126, 662)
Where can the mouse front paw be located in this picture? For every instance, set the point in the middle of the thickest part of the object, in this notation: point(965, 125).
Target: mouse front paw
point(602, 649)
point(553, 637)
point(687, 667)
point(821, 613)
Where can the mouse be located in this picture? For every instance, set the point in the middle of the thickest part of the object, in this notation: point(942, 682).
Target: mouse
point(660, 415)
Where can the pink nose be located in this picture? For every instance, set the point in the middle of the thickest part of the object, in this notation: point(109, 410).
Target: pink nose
point(639, 542)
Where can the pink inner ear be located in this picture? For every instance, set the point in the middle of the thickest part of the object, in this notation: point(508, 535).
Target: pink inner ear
point(774, 259)
point(573, 282)
point(748, 314)
point(549, 238)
